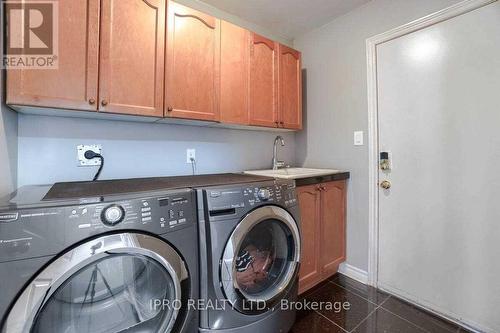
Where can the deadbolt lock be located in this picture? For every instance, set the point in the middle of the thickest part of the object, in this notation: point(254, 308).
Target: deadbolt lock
point(385, 161)
point(385, 165)
point(385, 184)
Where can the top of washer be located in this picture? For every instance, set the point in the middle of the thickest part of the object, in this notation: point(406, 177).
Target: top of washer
point(71, 193)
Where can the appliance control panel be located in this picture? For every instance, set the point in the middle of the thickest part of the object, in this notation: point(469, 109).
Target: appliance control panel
point(155, 214)
point(46, 230)
point(224, 200)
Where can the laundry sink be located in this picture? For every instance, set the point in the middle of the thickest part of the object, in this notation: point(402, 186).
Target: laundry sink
point(293, 173)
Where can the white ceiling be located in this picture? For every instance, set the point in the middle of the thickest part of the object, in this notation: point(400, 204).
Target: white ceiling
point(288, 18)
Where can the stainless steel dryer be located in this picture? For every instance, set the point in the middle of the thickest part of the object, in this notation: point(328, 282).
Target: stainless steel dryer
point(118, 263)
point(249, 254)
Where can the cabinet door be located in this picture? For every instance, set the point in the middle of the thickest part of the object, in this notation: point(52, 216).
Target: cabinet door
point(234, 73)
point(263, 82)
point(132, 57)
point(310, 270)
point(333, 206)
point(193, 64)
point(290, 88)
point(73, 85)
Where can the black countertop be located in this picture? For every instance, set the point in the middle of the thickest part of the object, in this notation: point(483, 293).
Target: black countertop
point(106, 187)
point(75, 193)
point(322, 179)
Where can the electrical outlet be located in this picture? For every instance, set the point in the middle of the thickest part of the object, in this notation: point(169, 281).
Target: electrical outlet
point(82, 161)
point(190, 155)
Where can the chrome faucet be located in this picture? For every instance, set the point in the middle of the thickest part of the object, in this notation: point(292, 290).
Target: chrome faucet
point(277, 164)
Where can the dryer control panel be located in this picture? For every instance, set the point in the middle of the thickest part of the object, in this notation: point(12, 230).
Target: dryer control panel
point(47, 230)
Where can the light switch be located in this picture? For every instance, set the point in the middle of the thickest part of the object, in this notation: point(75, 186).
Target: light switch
point(358, 138)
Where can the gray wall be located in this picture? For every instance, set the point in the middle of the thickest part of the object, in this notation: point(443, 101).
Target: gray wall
point(8, 150)
point(8, 134)
point(47, 149)
point(335, 58)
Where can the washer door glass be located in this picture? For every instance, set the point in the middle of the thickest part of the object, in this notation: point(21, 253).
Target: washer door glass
point(263, 258)
point(260, 261)
point(113, 294)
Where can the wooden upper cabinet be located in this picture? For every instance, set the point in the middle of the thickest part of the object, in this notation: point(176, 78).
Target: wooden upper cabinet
point(290, 88)
point(234, 73)
point(193, 64)
point(73, 85)
point(263, 81)
point(310, 269)
point(333, 206)
point(132, 57)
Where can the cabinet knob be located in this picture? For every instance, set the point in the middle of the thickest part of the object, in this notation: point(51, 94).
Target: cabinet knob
point(282, 123)
point(91, 101)
point(170, 109)
point(104, 102)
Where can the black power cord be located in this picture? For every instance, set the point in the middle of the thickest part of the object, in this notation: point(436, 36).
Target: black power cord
point(90, 155)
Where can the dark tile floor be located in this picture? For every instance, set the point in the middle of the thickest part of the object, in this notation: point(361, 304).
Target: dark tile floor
point(363, 309)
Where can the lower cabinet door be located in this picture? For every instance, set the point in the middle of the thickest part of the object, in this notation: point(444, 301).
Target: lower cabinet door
point(310, 270)
point(333, 206)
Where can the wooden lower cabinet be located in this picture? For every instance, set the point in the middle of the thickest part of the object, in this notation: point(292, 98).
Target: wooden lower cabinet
point(323, 220)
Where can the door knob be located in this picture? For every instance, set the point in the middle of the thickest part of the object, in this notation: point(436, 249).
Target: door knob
point(385, 184)
point(104, 102)
point(91, 101)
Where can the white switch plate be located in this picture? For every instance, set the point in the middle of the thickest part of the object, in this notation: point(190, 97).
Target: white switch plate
point(190, 154)
point(358, 138)
point(82, 161)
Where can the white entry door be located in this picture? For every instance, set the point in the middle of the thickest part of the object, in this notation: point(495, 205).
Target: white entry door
point(439, 117)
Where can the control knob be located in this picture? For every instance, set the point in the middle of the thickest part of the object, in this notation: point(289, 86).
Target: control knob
point(113, 215)
point(264, 194)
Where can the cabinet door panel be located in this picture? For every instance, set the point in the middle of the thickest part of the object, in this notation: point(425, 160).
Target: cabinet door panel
point(290, 88)
point(73, 85)
point(263, 82)
point(235, 49)
point(193, 64)
point(310, 270)
point(333, 203)
point(132, 57)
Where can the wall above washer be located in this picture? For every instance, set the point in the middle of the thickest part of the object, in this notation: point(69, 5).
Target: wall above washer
point(47, 149)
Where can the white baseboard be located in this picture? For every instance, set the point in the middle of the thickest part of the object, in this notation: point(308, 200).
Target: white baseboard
point(437, 310)
point(354, 273)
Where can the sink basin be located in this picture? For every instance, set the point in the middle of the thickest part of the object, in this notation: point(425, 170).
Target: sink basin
point(293, 173)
